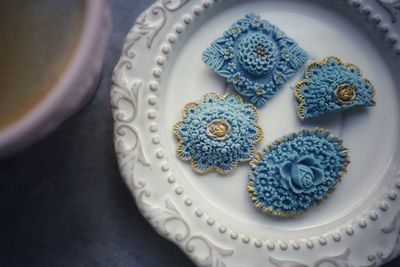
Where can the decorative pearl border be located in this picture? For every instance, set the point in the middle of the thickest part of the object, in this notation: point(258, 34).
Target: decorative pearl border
point(377, 20)
point(335, 236)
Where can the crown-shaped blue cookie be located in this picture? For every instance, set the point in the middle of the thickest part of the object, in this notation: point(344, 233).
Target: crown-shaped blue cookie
point(332, 85)
point(256, 57)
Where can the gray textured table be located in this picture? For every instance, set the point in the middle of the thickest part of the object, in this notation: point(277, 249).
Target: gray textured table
point(62, 201)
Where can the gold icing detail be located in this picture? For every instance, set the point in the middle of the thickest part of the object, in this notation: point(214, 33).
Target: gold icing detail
point(218, 129)
point(259, 90)
point(237, 78)
point(260, 51)
point(235, 30)
point(286, 54)
point(259, 155)
point(299, 98)
point(345, 93)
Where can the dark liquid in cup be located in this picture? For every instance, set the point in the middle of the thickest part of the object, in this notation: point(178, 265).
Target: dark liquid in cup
point(37, 41)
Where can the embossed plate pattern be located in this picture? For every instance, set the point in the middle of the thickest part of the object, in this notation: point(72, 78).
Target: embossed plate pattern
point(209, 216)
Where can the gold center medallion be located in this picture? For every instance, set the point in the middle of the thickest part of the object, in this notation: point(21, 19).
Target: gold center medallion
point(218, 129)
point(345, 93)
point(260, 51)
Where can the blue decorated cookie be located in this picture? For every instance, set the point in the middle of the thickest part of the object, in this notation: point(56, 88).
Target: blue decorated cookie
point(217, 132)
point(256, 56)
point(332, 85)
point(297, 172)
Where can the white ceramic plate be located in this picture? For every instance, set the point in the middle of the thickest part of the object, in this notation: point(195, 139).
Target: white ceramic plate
point(210, 217)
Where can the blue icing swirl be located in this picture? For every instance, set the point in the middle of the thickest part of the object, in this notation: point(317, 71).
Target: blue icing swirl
point(256, 57)
point(217, 133)
point(296, 172)
point(332, 85)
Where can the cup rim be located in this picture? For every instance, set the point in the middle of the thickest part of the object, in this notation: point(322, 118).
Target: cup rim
point(43, 117)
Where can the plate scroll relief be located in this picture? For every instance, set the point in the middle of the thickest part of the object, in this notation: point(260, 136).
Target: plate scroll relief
point(167, 204)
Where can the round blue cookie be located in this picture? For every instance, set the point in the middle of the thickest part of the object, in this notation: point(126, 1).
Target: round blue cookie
point(217, 132)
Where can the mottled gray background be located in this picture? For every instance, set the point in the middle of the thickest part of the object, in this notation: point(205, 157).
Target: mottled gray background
point(62, 201)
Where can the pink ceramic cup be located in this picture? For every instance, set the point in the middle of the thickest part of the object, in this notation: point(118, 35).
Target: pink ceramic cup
point(74, 87)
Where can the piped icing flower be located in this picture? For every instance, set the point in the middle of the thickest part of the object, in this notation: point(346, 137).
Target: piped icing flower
point(302, 175)
point(297, 172)
point(256, 57)
point(217, 132)
point(332, 85)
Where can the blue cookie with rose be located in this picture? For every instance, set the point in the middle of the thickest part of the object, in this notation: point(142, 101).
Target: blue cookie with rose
point(297, 172)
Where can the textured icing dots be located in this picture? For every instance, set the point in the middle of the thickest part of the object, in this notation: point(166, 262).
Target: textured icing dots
point(331, 86)
point(296, 172)
point(217, 132)
point(256, 56)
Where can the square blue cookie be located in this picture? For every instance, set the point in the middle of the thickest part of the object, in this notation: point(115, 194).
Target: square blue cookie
point(256, 57)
